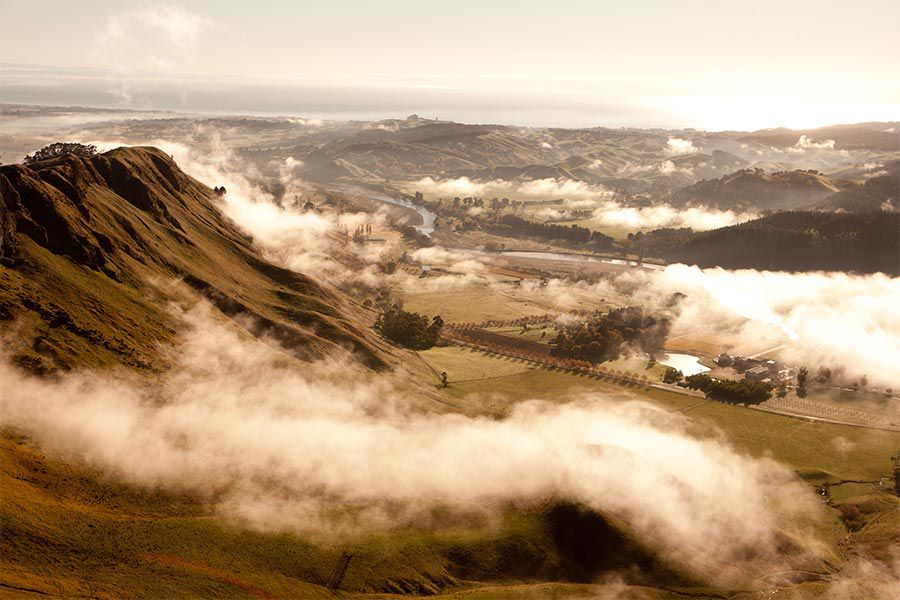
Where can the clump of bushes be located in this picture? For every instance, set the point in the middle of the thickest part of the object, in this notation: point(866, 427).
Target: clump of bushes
point(603, 337)
point(412, 234)
point(852, 517)
point(733, 391)
point(61, 149)
point(672, 375)
point(409, 329)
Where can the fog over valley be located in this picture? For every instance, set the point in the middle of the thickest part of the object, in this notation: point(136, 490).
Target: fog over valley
point(599, 303)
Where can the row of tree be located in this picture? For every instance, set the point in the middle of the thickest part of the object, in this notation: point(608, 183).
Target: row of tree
point(515, 226)
point(573, 364)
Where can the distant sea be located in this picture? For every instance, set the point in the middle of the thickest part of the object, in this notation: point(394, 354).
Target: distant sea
point(52, 86)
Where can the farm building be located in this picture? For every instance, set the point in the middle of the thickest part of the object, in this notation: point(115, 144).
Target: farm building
point(757, 373)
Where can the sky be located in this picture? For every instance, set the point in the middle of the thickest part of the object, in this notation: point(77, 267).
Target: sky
point(646, 63)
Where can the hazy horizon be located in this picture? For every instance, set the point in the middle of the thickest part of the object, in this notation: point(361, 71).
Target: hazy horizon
point(579, 65)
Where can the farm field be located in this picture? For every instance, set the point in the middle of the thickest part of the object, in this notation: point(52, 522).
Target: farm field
point(876, 403)
point(820, 452)
point(463, 364)
point(700, 343)
point(474, 303)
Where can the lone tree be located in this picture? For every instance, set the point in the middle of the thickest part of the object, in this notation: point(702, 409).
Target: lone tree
point(672, 375)
point(802, 376)
point(61, 149)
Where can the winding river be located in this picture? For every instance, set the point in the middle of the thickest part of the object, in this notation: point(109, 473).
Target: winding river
point(428, 217)
point(427, 228)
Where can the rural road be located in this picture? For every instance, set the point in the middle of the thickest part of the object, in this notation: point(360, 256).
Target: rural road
point(813, 419)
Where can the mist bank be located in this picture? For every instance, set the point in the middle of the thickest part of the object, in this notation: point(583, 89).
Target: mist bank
point(818, 318)
point(823, 318)
point(592, 205)
point(328, 452)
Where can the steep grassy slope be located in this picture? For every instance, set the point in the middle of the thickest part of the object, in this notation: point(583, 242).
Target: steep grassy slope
point(90, 248)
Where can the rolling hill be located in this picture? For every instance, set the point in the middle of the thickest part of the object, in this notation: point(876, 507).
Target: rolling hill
point(756, 189)
point(791, 241)
point(642, 162)
point(881, 137)
point(881, 192)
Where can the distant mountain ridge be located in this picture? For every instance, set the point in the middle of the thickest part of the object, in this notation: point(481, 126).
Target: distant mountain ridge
point(756, 189)
point(880, 136)
point(759, 190)
point(652, 162)
point(881, 192)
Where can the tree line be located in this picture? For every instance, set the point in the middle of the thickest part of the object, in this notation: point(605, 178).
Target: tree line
point(572, 235)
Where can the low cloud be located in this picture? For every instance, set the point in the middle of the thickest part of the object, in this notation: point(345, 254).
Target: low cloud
point(306, 122)
point(807, 143)
point(820, 318)
point(531, 189)
point(327, 452)
point(613, 214)
point(666, 167)
point(807, 148)
point(561, 188)
point(582, 196)
point(678, 147)
point(461, 186)
point(451, 260)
